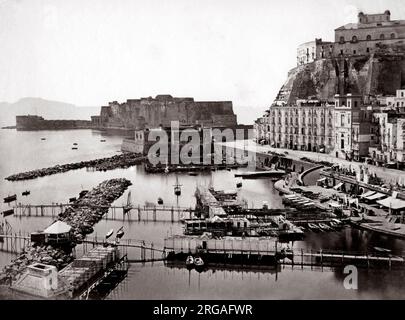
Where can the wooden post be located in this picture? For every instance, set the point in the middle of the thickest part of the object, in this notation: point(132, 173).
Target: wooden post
point(172, 214)
point(139, 212)
point(302, 258)
point(154, 213)
point(321, 258)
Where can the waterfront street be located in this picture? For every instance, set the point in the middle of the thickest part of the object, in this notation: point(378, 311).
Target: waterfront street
point(388, 175)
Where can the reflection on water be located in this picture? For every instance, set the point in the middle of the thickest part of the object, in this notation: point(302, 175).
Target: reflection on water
point(26, 150)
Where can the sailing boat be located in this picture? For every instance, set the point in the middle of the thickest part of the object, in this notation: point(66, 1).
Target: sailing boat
point(128, 206)
point(177, 189)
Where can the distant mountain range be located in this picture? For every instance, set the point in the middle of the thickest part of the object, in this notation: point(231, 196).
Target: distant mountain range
point(44, 108)
point(61, 110)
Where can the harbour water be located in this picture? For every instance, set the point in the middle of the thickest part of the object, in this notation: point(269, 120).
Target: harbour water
point(22, 151)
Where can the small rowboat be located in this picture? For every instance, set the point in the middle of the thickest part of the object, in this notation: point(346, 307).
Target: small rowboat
point(10, 198)
point(198, 262)
point(313, 227)
point(109, 233)
point(382, 250)
point(324, 227)
point(120, 233)
point(190, 261)
point(26, 193)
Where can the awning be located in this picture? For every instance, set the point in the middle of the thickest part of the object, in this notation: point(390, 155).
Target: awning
point(367, 194)
point(376, 196)
point(58, 227)
point(392, 203)
point(338, 186)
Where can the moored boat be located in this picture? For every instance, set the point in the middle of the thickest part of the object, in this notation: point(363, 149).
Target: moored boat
point(10, 198)
point(8, 212)
point(120, 233)
point(324, 227)
point(198, 262)
point(177, 187)
point(190, 261)
point(109, 233)
point(313, 227)
point(26, 193)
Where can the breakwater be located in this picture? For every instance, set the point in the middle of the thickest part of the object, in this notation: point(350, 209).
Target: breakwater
point(103, 164)
point(80, 218)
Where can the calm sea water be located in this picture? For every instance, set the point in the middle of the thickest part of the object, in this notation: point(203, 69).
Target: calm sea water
point(25, 150)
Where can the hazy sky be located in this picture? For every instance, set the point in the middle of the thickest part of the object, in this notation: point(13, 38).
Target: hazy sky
point(91, 52)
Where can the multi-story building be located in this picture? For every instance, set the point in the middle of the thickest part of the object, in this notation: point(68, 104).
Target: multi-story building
point(354, 127)
point(371, 33)
point(390, 138)
point(261, 129)
point(397, 102)
point(313, 50)
point(306, 125)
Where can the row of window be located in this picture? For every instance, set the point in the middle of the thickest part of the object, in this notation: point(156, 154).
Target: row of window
point(368, 38)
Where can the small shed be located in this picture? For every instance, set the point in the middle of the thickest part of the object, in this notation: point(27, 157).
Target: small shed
point(57, 233)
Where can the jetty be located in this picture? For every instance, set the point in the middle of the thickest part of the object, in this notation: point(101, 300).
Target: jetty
point(261, 174)
point(124, 160)
point(54, 245)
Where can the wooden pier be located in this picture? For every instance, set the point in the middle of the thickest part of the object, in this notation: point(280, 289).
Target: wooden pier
point(333, 258)
point(115, 213)
point(14, 242)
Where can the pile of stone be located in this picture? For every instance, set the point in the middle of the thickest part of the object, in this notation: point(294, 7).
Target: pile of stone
point(89, 209)
point(81, 218)
point(124, 160)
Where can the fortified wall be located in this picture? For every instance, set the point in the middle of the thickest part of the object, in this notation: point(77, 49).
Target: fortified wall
point(31, 122)
point(161, 110)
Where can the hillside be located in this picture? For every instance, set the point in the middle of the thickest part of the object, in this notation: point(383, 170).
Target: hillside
point(45, 108)
point(367, 75)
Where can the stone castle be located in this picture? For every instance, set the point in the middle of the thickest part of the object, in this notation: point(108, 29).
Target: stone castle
point(161, 110)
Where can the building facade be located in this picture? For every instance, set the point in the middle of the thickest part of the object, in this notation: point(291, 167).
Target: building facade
point(371, 33)
point(307, 125)
point(390, 146)
point(310, 51)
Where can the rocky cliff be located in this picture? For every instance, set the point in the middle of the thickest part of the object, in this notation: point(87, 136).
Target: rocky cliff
point(367, 75)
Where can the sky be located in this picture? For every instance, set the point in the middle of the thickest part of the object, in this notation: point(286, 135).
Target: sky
point(91, 52)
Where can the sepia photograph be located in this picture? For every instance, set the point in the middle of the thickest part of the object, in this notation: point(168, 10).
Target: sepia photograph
point(202, 150)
